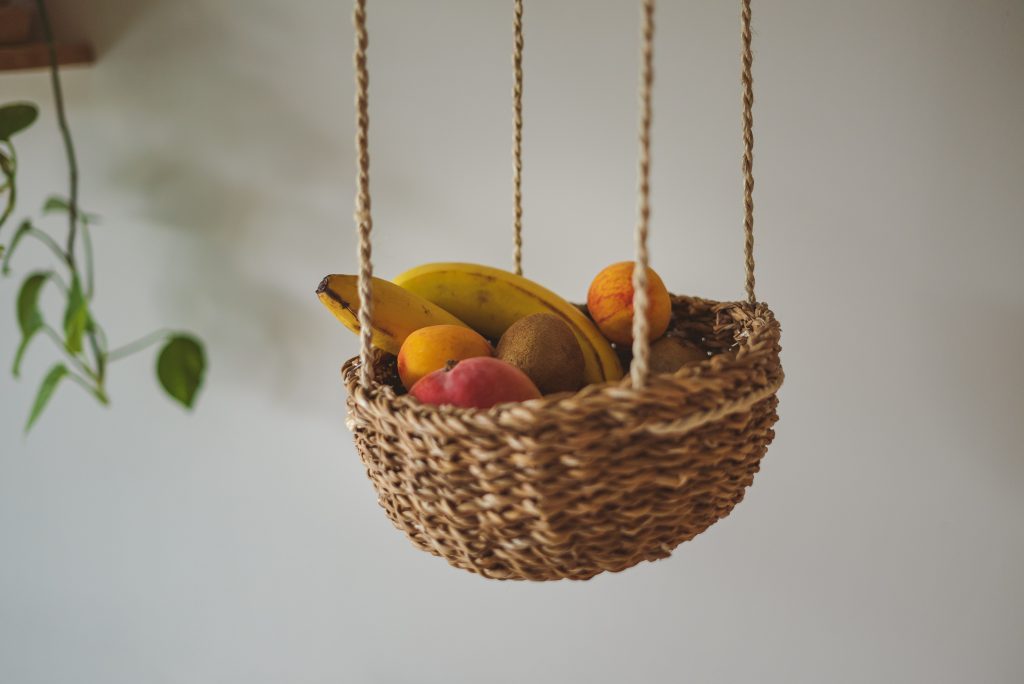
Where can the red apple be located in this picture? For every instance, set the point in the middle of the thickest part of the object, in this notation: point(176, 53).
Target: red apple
point(479, 382)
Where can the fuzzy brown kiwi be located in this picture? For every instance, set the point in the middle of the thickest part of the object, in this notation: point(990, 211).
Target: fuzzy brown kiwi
point(544, 347)
point(669, 354)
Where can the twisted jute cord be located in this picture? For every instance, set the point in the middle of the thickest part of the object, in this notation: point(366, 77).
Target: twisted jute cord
point(517, 123)
point(574, 485)
point(748, 151)
point(364, 221)
point(641, 345)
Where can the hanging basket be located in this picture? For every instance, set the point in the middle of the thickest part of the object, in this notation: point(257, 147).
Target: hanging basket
point(574, 484)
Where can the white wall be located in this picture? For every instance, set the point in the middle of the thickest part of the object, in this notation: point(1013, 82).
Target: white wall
point(883, 540)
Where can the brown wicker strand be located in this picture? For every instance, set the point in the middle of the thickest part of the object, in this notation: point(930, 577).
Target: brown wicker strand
point(517, 123)
point(748, 150)
point(364, 220)
point(574, 484)
point(641, 345)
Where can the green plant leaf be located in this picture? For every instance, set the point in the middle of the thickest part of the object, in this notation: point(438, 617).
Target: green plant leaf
point(30, 319)
point(76, 317)
point(45, 392)
point(22, 230)
point(57, 203)
point(20, 354)
point(180, 368)
point(16, 117)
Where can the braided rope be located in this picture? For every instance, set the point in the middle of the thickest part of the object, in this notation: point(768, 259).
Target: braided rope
point(517, 122)
point(748, 152)
point(641, 345)
point(639, 370)
point(571, 485)
point(575, 484)
point(364, 221)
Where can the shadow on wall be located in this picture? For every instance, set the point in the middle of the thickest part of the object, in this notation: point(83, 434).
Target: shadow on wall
point(100, 22)
point(214, 136)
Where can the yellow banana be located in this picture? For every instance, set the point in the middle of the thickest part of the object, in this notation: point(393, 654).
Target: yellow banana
point(396, 312)
point(490, 300)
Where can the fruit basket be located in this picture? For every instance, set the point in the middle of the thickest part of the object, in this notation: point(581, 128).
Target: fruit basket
point(574, 483)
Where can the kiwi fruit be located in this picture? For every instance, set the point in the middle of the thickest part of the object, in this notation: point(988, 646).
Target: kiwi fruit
point(669, 354)
point(544, 347)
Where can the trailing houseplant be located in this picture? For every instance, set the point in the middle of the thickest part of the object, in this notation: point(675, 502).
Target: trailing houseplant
point(79, 339)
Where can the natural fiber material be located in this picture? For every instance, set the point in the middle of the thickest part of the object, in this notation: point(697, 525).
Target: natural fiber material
point(746, 77)
point(641, 344)
point(517, 135)
point(363, 215)
point(572, 485)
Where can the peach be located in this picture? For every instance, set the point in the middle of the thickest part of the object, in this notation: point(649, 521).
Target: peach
point(431, 348)
point(479, 382)
point(610, 303)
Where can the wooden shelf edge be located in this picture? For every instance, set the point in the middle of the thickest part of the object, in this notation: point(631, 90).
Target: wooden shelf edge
point(36, 56)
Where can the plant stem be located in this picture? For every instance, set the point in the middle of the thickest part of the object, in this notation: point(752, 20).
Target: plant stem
point(56, 280)
point(94, 390)
point(90, 283)
point(49, 242)
point(101, 337)
point(139, 344)
point(10, 185)
point(100, 356)
point(62, 121)
point(69, 149)
point(77, 362)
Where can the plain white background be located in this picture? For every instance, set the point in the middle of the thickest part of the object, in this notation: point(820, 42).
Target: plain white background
point(883, 540)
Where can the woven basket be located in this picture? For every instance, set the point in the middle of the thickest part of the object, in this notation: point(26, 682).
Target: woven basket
point(572, 485)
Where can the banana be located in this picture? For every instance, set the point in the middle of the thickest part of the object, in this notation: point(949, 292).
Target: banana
point(396, 312)
point(490, 300)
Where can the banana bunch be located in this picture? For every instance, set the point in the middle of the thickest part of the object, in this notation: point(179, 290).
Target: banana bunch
point(486, 299)
point(490, 300)
point(396, 312)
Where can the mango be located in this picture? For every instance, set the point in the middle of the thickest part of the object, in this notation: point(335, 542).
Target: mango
point(610, 303)
point(433, 347)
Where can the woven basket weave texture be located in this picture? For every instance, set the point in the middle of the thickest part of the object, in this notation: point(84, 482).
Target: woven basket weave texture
point(573, 485)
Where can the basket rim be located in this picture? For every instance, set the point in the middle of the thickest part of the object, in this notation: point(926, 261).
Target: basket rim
point(756, 323)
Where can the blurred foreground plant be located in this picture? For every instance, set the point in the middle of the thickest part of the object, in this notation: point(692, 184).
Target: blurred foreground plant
point(79, 338)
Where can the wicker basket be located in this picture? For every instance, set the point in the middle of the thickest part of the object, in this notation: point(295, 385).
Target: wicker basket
point(572, 485)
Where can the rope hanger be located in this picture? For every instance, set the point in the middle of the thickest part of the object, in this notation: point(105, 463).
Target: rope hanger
point(748, 151)
point(517, 140)
point(639, 370)
point(364, 221)
point(688, 445)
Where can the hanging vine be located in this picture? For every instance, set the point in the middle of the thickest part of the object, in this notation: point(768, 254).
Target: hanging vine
point(79, 339)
